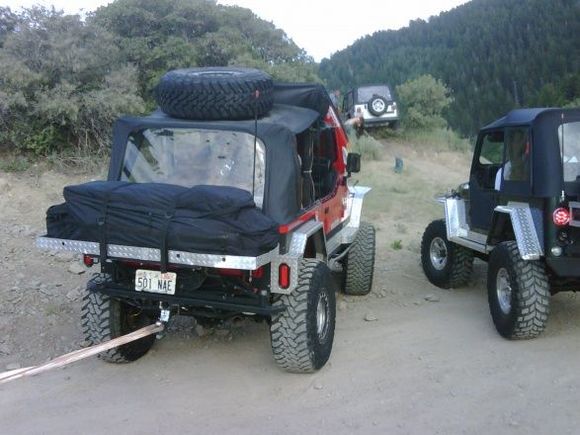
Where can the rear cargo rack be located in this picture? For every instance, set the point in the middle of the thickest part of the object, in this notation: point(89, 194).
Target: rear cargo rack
point(154, 255)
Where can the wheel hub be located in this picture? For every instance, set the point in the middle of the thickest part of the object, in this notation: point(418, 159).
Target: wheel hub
point(504, 290)
point(438, 253)
point(322, 317)
point(378, 105)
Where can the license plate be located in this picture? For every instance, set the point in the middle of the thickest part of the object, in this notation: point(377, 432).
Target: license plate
point(153, 281)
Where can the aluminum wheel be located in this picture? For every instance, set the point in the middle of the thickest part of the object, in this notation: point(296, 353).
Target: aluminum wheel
point(504, 290)
point(378, 105)
point(438, 253)
point(322, 317)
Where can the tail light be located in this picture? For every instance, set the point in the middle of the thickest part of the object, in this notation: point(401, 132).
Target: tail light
point(284, 276)
point(561, 217)
point(88, 260)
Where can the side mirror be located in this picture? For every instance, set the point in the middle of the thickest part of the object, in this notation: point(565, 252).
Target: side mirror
point(353, 163)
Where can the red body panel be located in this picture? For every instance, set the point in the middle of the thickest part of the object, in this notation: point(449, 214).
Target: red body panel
point(329, 210)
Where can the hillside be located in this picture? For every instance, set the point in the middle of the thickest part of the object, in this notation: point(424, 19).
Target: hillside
point(494, 54)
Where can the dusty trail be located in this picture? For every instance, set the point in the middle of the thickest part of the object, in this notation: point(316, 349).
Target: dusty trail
point(431, 362)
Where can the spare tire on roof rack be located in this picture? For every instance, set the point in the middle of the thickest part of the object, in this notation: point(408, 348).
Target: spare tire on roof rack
point(215, 93)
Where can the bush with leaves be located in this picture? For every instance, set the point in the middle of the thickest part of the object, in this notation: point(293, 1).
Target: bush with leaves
point(64, 80)
point(424, 100)
point(161, 35)
point(62, 83)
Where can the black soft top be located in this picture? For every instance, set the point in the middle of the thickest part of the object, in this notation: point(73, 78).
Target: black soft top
point(547, 173)
point(297, 107)
point(519, 117)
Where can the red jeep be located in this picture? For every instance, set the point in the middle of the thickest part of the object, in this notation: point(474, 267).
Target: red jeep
point(233, 199)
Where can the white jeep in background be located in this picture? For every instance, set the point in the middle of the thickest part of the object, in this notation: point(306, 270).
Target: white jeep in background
point(375, 103)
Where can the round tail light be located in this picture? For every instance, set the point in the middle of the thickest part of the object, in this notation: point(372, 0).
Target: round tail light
point(88, 260)
point(561, 217)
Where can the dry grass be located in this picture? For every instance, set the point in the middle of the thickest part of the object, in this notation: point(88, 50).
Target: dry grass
point(367, 146)
point(402, 204)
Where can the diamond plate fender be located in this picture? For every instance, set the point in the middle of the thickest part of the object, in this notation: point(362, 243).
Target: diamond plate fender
point(352, 218)
point(296, 248)
point(524, 229)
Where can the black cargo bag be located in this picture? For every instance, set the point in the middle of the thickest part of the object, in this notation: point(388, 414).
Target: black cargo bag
point(202, 219)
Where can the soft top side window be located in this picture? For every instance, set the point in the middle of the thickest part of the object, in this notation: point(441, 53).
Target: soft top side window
point(492, 149)
point(517, 165)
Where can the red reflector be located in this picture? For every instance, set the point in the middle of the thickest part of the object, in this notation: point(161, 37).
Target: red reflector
point(258, 273)
point(561, 216)
point(284, 276)
point(88, 260)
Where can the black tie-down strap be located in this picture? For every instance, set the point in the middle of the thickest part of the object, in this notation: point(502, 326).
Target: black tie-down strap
point(102, 224)
point(164, 258)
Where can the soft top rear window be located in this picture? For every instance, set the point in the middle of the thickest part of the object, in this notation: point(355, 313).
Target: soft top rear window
point(191, 157)
point(365, 93)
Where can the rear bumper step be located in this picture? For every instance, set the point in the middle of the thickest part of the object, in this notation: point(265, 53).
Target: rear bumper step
point(154, 255)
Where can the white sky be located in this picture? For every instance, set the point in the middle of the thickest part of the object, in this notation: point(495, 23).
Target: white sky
point(321, 27)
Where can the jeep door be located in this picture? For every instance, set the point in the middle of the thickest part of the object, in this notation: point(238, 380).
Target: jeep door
point(487, 162)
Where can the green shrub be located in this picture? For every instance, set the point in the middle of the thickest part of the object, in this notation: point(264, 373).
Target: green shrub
point(14, 163)
point(423, 101)
point(63, 83)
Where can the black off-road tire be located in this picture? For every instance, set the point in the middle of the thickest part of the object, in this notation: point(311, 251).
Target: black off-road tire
point(215, 93)
point(372, 110)
point(359, 264)
point(523, 311)
point(301, 340)
point(445, 264)
point(104, 318)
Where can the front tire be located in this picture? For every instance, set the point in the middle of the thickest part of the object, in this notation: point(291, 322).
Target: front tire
point(104, 318)
point(445, 264)
point(302, 334)
point(518, 293)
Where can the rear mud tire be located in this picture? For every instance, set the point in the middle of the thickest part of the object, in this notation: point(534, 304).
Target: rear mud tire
point(302, 334)
point(360, 262)
point(104, 318)
point(445, 264)
point(518, 293)
point(215, 93)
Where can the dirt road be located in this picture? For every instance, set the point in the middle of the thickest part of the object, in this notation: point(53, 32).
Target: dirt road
point(408, 359)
